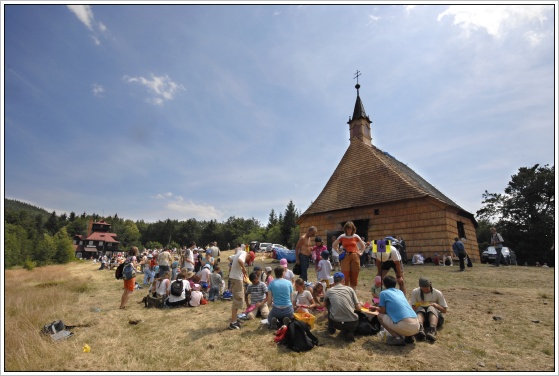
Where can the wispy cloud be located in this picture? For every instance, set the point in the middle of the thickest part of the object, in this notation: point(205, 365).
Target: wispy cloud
point(164, 195)
point(496, 20)
point(97, 90)
point(162, 88)
point(85, 15)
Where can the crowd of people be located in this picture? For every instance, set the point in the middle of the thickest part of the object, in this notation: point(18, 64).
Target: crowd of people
point(192, 277)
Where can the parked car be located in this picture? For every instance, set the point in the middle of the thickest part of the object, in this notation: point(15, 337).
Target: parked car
point(269, 248)
point(490, 254)
point(263, 246)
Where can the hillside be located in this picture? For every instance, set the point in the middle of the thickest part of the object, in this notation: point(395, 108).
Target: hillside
point(15, 205)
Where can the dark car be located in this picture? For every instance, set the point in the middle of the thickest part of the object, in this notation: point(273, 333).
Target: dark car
point(490, 254)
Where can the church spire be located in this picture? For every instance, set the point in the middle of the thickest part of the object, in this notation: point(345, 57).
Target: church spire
point(359, 123)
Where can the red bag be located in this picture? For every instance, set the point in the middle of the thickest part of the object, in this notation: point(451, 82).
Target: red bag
point(203, 301)
point(280, 334)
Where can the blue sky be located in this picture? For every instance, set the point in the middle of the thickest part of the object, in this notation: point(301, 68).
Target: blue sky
point(211, 111)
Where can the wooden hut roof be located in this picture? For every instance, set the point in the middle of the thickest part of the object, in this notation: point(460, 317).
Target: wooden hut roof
point(368, 176)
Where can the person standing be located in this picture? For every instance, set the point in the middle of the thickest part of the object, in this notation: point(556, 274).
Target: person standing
point(236, 279)
point(354, 248)
point(460, 252)
point(335, 257)
point(342, 303)
point(402, 250)
point(386, 261)
point(129, 284)
point(303, 252)
point(497, 242)
point(164, 260)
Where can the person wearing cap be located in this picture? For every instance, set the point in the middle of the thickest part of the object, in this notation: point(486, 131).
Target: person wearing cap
point(429, 305)
point(354, 247)
point(267, 276)
point(342, 303)
point(288, 273)
point(237, 274)
point(390, 260)
point(258, 270)
point(395, 314)
point(204, 275)
point(303, 252)
point(149, 275)
point(195, 296)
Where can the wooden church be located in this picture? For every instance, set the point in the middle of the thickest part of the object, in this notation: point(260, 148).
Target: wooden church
point(384, 197)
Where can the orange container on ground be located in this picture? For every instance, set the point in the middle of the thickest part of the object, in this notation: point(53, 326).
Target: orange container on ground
point(306, 317)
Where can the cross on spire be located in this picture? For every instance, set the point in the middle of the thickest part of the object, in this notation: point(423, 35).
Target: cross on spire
point(357, 74)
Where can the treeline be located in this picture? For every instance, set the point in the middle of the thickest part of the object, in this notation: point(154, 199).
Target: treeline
point(524, 215)
point(35, 237)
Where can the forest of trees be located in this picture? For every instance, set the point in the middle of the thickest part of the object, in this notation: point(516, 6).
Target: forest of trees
point(524, 215)
point(34, 237)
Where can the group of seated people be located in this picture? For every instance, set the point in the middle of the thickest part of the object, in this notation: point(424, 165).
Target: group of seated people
point(188, 289)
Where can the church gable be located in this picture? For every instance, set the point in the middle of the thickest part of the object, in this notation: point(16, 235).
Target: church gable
point(364, 177)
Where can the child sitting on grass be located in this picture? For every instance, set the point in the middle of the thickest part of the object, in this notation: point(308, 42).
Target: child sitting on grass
point(302, 298)
point(258, 304)
point(376, 289)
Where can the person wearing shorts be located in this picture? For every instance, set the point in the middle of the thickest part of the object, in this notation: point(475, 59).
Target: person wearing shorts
point(237, 275)
point(386, 261)
point(130, 284)
point(395, 313)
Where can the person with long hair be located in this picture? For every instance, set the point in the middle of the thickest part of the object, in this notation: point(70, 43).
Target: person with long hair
point(354, 247)
point(429, 305)
point(129, 284)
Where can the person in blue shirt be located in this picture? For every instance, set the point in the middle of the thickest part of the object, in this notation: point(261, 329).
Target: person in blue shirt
point(460, 252)
point(395, 313)
point(280, 291)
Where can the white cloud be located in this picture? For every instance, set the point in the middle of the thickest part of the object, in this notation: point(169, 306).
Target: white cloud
point(495, 19)
point(164, 195)
point(97, 90)
point(84, 14)
point(373, 18)
point(191, 210)
point(162, 87)
point(409, 8)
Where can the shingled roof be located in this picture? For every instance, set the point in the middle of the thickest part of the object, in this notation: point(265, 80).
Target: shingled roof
point(368, 176)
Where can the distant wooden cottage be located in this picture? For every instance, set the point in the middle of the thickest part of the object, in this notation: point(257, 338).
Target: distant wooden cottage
point(99, 241)
point(384, 197)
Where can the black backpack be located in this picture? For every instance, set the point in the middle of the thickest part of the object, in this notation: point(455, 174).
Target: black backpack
point(367, 327)
point(177, 287)
point(299, 337)
point(118, 271)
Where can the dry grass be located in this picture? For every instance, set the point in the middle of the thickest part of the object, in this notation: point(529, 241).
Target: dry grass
point(197, 339)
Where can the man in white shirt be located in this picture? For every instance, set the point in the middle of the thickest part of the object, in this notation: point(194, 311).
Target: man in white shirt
point(386, 261)
point(236, 279)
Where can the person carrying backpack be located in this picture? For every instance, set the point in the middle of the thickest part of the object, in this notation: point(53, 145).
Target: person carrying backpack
point(180, 291)
point(129, 284)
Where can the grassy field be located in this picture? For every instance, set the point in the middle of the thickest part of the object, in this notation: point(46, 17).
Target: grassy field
point(197, 339)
